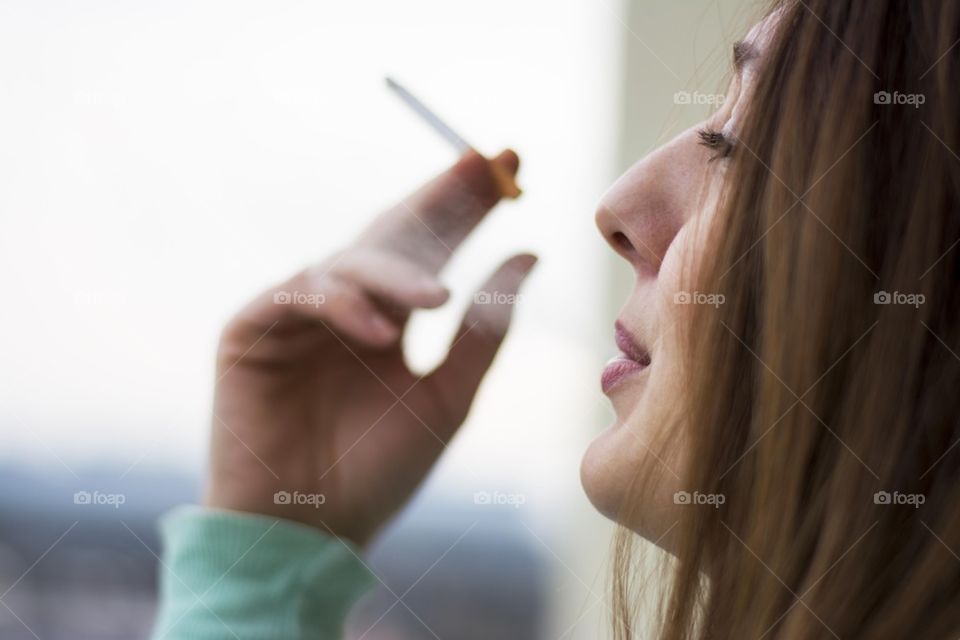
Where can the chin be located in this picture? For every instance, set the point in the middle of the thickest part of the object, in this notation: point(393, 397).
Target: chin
point(608, 471)
point(600, 475)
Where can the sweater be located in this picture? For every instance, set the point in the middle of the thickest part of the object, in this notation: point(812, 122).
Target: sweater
point(226, 575)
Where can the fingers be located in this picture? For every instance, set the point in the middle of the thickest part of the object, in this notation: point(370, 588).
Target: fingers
point(367, 291)
point(391, 269)
point(341, 305)
point(364, 295)
point(394, 280)
point(428, 226)
point(481, 332)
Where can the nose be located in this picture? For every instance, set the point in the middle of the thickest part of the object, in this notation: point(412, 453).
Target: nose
point(641, 214)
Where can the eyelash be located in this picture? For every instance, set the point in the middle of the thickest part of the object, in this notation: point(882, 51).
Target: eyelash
point(719, 143)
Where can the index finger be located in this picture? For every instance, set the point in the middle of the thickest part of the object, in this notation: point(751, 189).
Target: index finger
point(428, 226)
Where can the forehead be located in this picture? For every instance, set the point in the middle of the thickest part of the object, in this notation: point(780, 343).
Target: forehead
point(747, 55)
point(757, 41)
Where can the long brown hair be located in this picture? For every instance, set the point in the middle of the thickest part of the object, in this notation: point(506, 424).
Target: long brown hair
point(825, 392)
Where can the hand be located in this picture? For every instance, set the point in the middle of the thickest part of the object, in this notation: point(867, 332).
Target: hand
point(313, 396)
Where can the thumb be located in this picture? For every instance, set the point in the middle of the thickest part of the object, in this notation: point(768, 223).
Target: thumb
point(481, 332)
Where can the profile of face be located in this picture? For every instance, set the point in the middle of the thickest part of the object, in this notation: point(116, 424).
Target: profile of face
point(657, 217)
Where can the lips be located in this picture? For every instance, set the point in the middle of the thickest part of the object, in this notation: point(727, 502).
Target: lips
point(632, 360)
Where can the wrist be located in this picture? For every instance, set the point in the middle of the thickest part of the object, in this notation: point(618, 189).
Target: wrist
point(307, 509)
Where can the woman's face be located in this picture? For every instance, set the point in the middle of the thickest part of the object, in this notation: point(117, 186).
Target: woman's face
point(656, 217)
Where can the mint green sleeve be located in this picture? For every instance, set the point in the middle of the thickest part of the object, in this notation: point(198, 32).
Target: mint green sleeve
point(227, 575)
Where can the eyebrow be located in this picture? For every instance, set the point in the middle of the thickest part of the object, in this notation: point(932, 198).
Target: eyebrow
point(743, 53)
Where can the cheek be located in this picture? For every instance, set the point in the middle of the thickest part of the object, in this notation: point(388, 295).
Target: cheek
point(675, 295)
point(677, 289)
point(682, 262)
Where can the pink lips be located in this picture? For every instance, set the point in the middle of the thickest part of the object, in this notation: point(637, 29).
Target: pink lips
point(632, 360)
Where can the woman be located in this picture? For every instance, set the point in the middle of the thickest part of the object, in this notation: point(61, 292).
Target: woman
point(787, 395)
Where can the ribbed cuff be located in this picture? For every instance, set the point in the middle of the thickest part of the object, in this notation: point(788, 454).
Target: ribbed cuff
point(229, 575)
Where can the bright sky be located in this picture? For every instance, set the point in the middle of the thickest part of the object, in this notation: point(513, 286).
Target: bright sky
point(161, 162)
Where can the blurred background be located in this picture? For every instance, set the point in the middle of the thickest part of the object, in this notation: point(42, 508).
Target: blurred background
point(162, 162)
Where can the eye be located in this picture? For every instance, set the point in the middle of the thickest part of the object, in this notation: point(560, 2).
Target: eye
point(719, 143)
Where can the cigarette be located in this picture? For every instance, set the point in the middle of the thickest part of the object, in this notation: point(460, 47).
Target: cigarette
point(505, 182)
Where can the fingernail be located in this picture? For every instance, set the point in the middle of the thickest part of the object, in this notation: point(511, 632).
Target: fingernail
point(440, 294)
point(533, 260)
point(427, 283)
point(429, 287)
